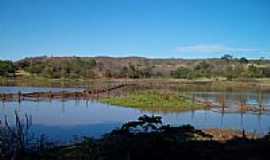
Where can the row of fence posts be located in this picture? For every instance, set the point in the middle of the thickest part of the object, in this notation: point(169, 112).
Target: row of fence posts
point(19, 96)
point(50, 95)
point(221, 99)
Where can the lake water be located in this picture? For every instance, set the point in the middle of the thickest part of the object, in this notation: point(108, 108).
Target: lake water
point(35, 89)
point(61, 121)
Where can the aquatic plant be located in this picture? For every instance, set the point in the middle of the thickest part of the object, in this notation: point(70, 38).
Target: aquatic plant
point(154, 100)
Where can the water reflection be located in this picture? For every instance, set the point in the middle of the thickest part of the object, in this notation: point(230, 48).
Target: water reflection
point(236, 100)
point(62, 120)
point(35, 89)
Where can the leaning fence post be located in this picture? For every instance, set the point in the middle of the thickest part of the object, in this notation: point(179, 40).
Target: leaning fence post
point(63, 96)
point(19, 96)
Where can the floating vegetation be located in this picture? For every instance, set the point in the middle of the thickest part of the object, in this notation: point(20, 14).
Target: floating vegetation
point(154, 101)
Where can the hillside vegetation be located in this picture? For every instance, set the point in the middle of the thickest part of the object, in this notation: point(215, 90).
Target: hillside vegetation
point(7, 68)
point(225, 67)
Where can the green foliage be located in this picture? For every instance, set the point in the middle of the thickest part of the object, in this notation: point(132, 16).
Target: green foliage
point(243, 60)
point(240, 68)
point(266, 72)
point(64, 68)
point(133, 71)
point(203, 69)
point(154, 100)
point(182, 72)
point(255, 72)
point(7, 68)
point(85, 67)
point(227, 57)
point(138, 71)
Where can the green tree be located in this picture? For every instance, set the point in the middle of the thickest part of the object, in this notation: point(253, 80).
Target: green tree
point(123, 72)
point(255, 72)
point(133, 71)
point(182, 72)
point(243, 60)
point(7, 68)
point(266, 72)
point(227, 57)
point(203, 69)
point(147, 71)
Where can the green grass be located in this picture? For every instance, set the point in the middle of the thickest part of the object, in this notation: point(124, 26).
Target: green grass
point(154, 101)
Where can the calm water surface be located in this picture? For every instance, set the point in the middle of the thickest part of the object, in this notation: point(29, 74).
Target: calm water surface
point(61, 121)
point(34, 89)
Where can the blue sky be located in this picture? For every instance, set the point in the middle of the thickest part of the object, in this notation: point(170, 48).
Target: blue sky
point(150, 28)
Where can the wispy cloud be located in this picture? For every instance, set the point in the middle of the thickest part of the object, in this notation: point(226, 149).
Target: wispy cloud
point(213, 48)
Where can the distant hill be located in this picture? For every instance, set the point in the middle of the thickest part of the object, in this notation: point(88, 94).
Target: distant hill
point(140, 67)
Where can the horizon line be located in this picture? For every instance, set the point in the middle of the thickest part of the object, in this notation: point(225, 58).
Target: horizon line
point(134, 56)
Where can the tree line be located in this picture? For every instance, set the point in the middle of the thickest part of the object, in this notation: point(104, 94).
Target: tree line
point(89, 68)
point(228, 68)
point(7, 68)
point(59, 68)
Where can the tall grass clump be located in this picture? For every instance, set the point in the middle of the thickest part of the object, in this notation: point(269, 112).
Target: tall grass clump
point(17, 141)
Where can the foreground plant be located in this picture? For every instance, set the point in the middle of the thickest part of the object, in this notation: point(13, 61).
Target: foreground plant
point(16, 141)
point(147, 138)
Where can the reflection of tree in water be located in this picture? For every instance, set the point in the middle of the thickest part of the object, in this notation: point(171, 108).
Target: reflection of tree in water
point(18, 108)
point(221, 120)
point(242, 120)
point(87, 103)
point(259, 118)
point(259, 100)
point(242, 102)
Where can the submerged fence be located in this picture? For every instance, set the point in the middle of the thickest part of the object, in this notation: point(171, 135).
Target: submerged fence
point(85, 94)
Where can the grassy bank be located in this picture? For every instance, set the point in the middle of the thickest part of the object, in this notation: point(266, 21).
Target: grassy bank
point(154, 101)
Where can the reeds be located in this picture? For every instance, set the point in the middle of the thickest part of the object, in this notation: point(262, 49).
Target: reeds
point(17, 141)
